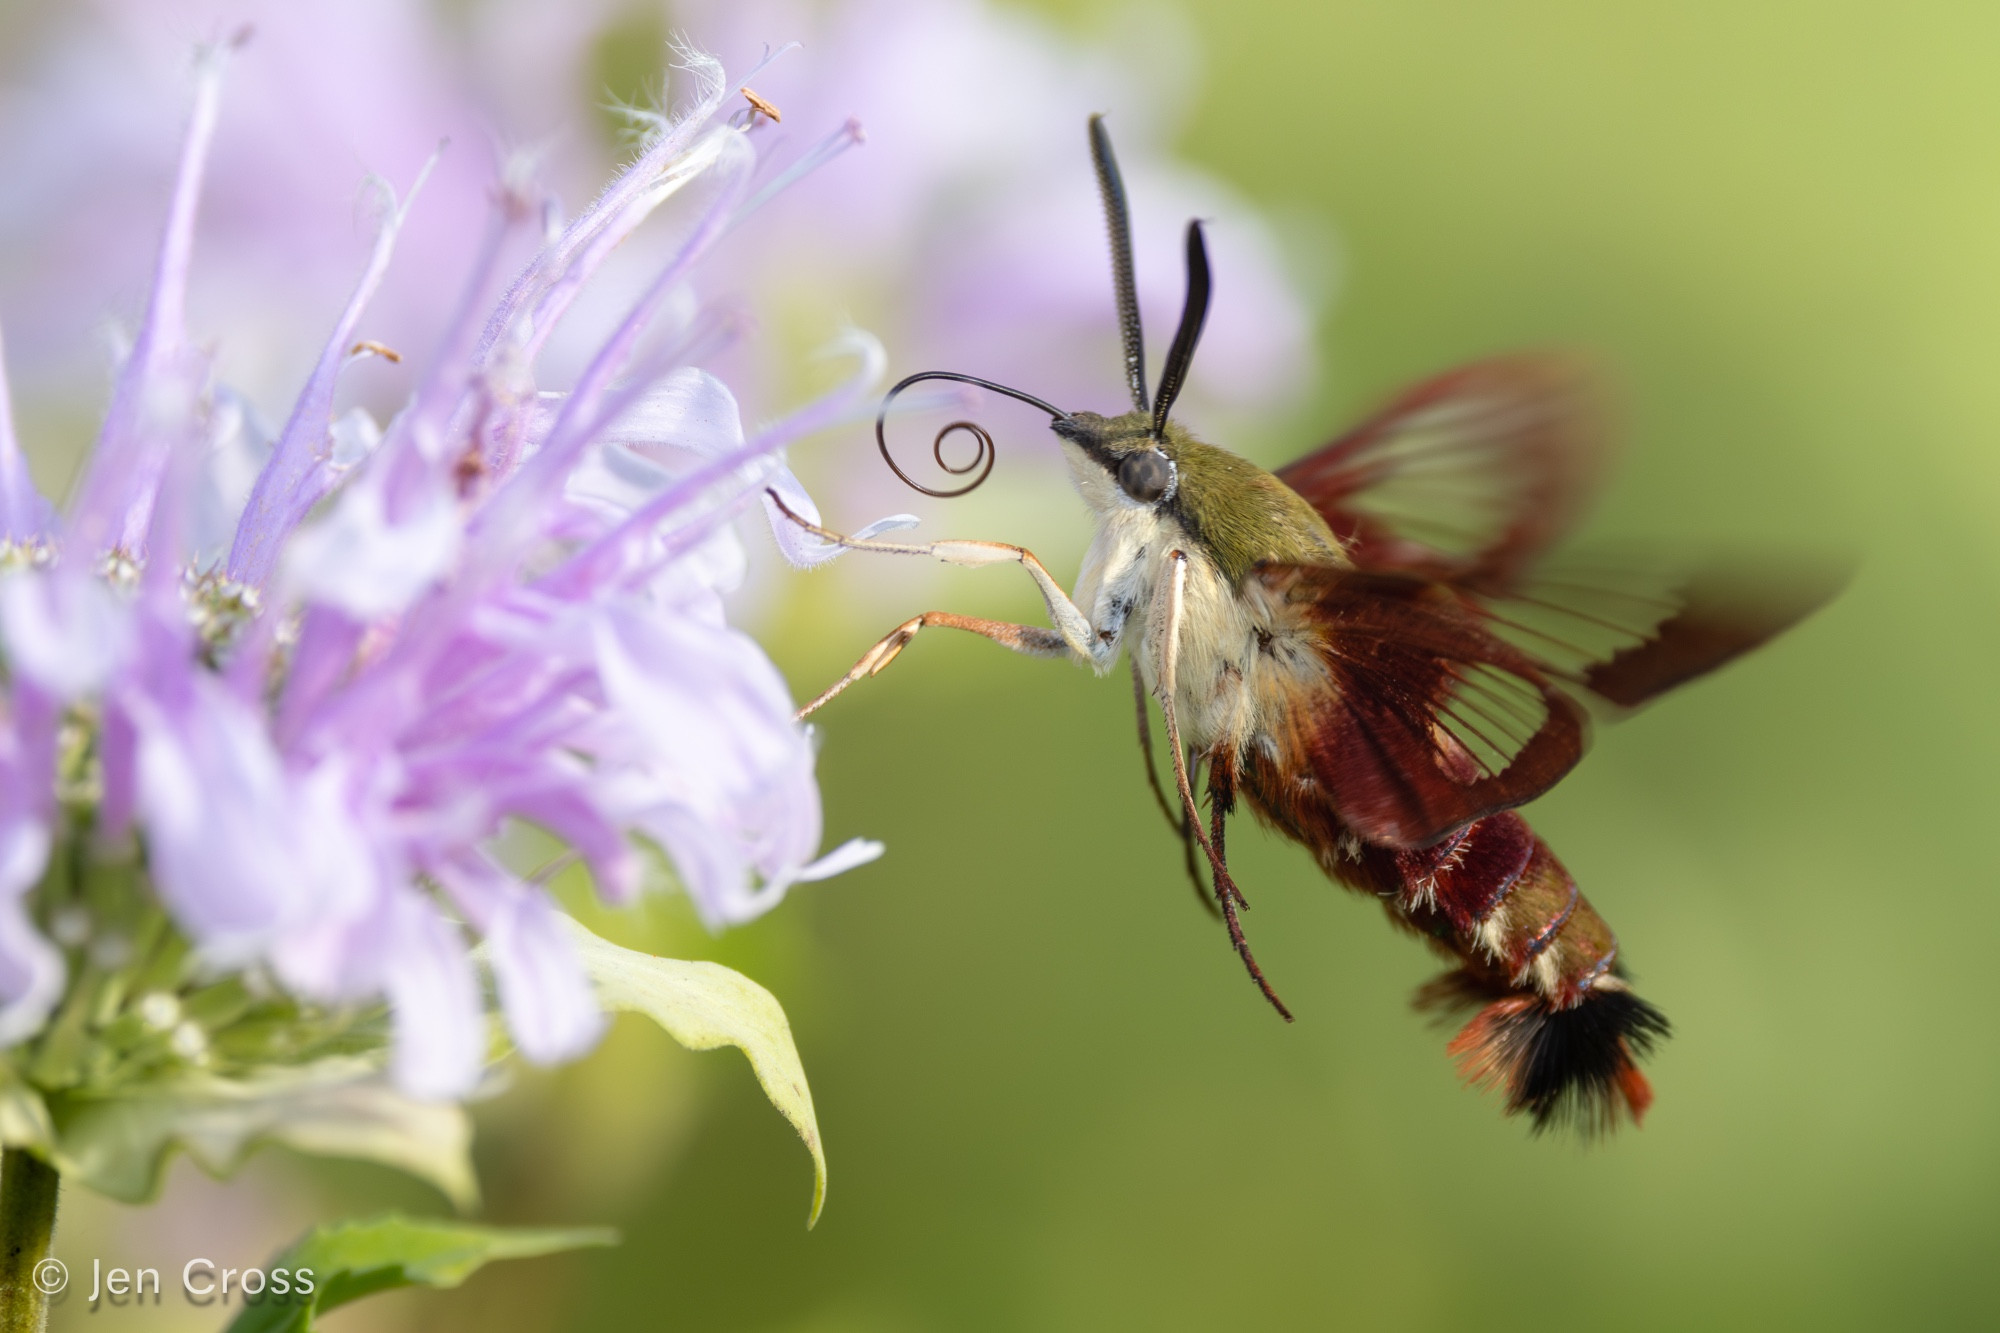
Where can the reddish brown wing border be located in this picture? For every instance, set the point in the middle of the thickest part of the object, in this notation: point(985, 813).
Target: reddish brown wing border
point(1518, 443)
point(1721, 617)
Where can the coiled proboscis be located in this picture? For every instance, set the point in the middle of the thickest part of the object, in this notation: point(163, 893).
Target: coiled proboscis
point(982, 459)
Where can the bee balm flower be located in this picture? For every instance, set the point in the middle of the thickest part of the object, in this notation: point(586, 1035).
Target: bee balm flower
point(302, 728)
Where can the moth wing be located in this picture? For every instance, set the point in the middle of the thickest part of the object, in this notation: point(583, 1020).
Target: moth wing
point(1420, 718)
point(1468, 477)
point(1628, 629)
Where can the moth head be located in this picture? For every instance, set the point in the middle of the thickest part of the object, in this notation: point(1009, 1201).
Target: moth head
point(1117, 461)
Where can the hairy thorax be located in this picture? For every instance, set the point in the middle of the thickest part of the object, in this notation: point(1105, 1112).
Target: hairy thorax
point(1242, 657)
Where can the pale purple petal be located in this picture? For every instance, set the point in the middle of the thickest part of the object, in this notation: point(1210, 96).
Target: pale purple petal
point(31, 974)
point(65, 631)
point(236, 448)
point(572, 815)
point(24, 514)
point(328, 640)
point(548, 286)
point(710, 861)
point(727, 158)
point(360, 561)
point(804, 550)
point(31, 969)
point(219, 819)
point(592, 405)
point(544, 992)
point(433, 1001)
point(620, 550)
point(160, 379)
point(334, 960)
point(709, 703)
point(798, 546)
point(301, 467)
point(689, 416)
point(335, 851)
point(854, 852)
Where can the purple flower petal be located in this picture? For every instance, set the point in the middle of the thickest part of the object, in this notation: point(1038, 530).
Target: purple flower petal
point(24, 514)
point(434, 1001)
point(360, 561)
point(31, 969)
point(544, 992)
point(302, 465)
point(31, 974)
point(222, 829)
point(854, 852)
point(66, 632)
point(160, 379)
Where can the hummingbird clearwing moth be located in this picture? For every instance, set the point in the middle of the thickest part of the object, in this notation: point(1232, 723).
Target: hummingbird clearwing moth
point(1373, 649)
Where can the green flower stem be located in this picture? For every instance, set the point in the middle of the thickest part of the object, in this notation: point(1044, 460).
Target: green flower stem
point(28, 1189)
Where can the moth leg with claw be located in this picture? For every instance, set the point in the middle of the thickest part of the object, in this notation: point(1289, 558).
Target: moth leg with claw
point(1073, 635)
point(1227, 895)
point(1178, 823)
point(1028, 640)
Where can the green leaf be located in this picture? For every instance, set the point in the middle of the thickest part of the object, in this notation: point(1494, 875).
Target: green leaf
point(118, 1143)
point(349, 1260)
point(703, 1006)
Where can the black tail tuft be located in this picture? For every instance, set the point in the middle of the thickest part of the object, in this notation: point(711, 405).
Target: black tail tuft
point(1572, 1067)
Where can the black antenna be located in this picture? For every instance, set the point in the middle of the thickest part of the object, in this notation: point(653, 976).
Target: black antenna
point(1119, 221)
point(1193, 315)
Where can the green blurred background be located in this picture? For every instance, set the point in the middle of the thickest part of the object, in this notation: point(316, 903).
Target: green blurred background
point(1051, 1099)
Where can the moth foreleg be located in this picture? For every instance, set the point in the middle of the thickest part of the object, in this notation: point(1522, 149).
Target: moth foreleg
point(1071, 623)
point(1030, 640)
point(1221, 778)
point(1177, 823)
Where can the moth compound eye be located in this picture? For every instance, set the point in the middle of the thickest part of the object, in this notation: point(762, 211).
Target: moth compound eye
point(1146, 475)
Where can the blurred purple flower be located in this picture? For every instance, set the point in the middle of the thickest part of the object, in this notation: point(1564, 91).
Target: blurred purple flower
point(322, 708)
point(974, 202)
point(969, 218)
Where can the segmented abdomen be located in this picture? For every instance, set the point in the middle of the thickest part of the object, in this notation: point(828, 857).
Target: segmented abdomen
point(1557, 1027)
point(1502, 901)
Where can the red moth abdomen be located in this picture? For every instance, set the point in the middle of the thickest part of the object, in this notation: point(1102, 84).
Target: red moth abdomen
point(1556, 1028)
